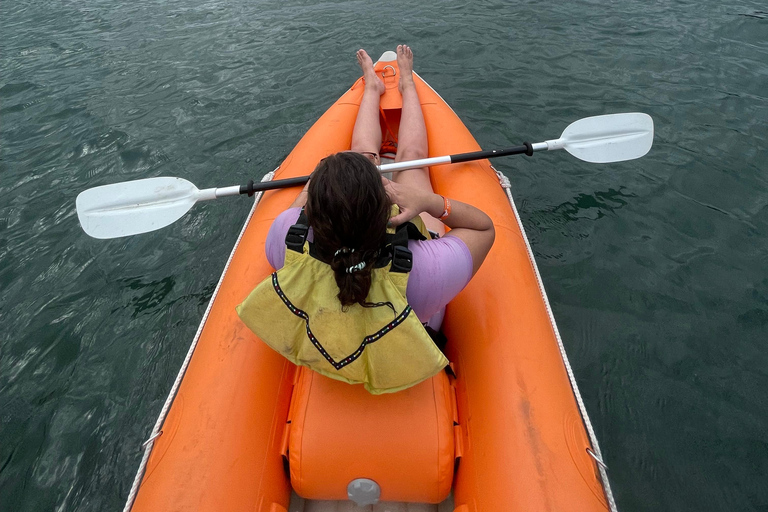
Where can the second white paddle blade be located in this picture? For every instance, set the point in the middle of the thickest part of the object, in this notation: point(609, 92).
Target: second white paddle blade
point(133, 207)
point(608, 138)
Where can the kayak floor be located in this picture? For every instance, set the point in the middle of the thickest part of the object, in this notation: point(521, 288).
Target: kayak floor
point(299, 504)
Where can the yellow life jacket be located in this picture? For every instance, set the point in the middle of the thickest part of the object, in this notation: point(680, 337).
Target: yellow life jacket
point(296, 311)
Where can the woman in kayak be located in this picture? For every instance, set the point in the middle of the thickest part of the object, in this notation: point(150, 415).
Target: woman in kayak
point(348, 205)
point(342, 300)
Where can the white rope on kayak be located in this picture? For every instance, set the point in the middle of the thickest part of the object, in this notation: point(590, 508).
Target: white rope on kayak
point(156, 432)
point(595, 452)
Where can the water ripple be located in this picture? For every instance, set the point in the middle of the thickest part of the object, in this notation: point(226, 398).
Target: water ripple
point(656, 268)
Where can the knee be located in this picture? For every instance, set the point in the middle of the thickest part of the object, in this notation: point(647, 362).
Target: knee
point(411, 153)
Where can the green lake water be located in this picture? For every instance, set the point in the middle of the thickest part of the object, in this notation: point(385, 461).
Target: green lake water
point(657, 269)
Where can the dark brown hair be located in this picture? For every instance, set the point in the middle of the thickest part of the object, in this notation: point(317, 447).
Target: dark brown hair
point(348, 210)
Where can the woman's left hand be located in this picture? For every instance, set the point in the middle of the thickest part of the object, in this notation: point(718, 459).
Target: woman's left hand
point(411, 201)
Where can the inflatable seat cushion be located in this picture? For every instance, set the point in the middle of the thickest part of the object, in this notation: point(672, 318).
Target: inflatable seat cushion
point(403, 441)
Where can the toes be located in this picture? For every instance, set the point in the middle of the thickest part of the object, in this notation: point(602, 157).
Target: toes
point(363, 59)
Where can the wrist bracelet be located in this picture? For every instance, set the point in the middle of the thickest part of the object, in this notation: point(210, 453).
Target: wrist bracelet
point(446, 208)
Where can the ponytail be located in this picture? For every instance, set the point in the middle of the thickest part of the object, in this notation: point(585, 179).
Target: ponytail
point(348, 210)
point(353, 277)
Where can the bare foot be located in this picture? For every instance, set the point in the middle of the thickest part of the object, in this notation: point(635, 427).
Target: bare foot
point(405, 63)
point(369, 75)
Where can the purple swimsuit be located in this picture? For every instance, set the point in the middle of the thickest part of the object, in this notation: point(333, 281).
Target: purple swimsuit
point(441, 268)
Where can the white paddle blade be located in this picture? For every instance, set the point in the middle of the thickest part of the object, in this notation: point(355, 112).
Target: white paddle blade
point(134, 207)
point(608, 138)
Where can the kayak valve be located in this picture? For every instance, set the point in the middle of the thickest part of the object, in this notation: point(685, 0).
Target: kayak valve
point(363, 491)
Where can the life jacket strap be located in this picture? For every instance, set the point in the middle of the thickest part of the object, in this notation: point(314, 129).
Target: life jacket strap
point(402, 259)
point(297, 234)
point(395, 245)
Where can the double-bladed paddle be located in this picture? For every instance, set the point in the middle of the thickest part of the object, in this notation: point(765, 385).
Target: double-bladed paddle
point(134, 207)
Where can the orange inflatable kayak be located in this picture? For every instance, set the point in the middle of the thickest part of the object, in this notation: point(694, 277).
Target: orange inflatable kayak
point(245, 430)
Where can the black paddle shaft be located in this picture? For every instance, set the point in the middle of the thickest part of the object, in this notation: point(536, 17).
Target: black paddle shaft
point(526, 149)
point(251, 188)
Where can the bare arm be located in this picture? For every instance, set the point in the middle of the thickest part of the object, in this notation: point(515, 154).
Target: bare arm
point(467, 223)
point(301, 199)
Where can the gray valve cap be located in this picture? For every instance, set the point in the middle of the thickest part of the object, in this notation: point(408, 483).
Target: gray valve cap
point(363, 491)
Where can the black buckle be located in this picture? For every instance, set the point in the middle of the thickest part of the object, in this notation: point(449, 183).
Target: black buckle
point(402, 259)
point(296, 236)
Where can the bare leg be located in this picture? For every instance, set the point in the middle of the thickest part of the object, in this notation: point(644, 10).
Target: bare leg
point(412, 137)
point(366, 136)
